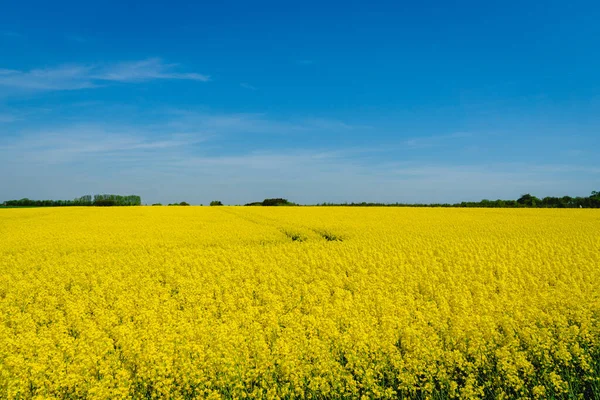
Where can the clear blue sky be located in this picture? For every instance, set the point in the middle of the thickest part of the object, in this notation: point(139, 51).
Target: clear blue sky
point(313, 101)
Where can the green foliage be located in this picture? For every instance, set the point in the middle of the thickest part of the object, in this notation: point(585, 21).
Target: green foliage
point(525, 201)
point(276, 202)
point(102, 200)
point(528, 200)
point(272, 202)
point(105, 203)
point(183, 203)
point(116, 200)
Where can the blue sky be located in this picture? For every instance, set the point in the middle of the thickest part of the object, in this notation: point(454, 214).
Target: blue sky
point(313, 101)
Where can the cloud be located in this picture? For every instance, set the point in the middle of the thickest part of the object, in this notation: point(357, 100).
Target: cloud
point(149, 69)
point(66, 77)
point(193, 156)
point(247, 86)
point(332, 124)
point(565, 168)
point(84, 142)
point(79, 76)
point(163, 165)
point(435, 140)
point(174, 137)
point(173, 142)
point(253, 123)
point(282, 160)
point(236, 123)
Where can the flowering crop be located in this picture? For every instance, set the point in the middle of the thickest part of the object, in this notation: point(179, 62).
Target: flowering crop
point(299, 302)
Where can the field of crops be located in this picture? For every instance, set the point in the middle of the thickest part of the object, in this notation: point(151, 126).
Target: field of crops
point(299, 302)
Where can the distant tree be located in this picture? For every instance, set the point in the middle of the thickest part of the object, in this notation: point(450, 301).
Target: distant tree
point(551, 202)
point(594, 200)
point(277, 202)
point(567, 201)
point(274, 202)
point(83, 201)
point(101, 200)
point(118, 200)
point(105, 203)
point(528, 200)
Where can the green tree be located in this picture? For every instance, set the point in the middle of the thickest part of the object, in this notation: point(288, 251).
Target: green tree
point(528, 200)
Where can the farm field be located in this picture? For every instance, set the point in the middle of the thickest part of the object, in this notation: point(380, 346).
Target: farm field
point(299, 302)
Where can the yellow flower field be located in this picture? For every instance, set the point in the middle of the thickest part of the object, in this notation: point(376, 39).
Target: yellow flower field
point(299, 302)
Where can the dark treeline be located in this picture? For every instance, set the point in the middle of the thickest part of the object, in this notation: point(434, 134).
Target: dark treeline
point(272, 202)
point(525, 201)
point(99, 200)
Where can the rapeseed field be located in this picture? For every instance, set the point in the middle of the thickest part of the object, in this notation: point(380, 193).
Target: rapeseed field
point(299, 302)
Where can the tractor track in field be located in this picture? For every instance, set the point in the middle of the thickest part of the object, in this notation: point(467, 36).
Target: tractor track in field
point(295, 232)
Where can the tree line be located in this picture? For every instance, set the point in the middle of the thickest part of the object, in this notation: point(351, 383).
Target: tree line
point(525, 201)
point(272, 202)
point(98, 200)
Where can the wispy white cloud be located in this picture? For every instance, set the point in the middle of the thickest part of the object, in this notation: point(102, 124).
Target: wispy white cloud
point(231, 123)
point(285, 159)
point(253, 123)
point(138, 160)
point(81, 76)
point(84, 142)
point(333, 124)
point(247, 86)
point(66, 77)
point(173, 138)
point(565, 168)
point(149, 69)
point(436, 140)
point(189, 155)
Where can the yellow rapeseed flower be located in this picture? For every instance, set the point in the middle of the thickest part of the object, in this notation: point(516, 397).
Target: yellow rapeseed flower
point(299, 302)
